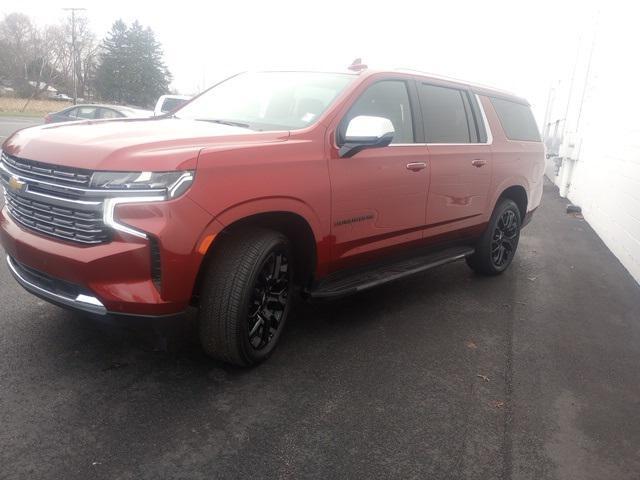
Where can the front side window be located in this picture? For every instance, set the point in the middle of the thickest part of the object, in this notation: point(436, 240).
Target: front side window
point(445, 115)
point(388, 99)
point(268, 101)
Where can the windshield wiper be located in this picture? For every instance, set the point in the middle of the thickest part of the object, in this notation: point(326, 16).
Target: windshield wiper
point(224, 122)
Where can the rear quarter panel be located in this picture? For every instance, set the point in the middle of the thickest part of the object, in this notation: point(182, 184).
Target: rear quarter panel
point(514, 163)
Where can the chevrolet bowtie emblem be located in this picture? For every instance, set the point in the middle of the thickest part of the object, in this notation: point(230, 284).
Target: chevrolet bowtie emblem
point(16, 184)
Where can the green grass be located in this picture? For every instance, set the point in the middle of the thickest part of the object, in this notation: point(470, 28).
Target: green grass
point(27, 114)
point(36, 108)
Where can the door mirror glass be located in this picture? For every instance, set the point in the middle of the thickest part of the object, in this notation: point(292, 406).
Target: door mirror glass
point(366, 131)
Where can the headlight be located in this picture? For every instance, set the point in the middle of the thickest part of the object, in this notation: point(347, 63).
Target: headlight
point(173, 183)
point(138, 187)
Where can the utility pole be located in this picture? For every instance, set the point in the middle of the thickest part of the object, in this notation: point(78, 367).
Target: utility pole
point(74, 54)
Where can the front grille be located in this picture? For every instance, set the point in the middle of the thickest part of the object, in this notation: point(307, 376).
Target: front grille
point(84, 226)
point(53, 200)
point(46, 172)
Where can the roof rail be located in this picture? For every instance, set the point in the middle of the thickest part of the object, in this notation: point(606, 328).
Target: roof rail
point(457, 80)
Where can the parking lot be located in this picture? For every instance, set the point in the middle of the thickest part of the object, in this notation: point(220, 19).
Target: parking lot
point(531, 375)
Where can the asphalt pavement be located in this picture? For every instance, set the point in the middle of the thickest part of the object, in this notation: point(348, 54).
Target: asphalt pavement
point(8, 125)
point(447, 375)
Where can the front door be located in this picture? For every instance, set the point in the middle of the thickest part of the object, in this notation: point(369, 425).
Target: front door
point(379, 195)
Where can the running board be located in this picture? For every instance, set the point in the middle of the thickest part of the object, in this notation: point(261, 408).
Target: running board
point(347, 284)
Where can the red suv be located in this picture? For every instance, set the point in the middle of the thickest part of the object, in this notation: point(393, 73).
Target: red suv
point(329, 182)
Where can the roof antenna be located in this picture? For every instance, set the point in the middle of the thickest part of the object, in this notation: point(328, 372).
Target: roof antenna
point(357, 65)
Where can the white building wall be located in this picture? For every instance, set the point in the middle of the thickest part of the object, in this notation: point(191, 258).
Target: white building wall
point(605, 178)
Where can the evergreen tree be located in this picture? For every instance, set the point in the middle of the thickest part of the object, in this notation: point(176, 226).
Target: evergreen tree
point(131, 70)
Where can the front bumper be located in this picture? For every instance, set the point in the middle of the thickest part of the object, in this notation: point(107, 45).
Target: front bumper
point(54, 290)
point(115, 277)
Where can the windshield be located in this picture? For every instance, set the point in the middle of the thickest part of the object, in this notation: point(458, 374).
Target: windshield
point(268, 100)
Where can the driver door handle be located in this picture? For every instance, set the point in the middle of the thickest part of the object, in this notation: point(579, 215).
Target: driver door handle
point(416, 166)
point(478, 162)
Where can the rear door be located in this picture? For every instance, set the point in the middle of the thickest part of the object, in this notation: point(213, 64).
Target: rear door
point(460, 157)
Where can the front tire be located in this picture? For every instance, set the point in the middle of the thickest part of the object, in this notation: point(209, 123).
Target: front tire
point(246, 295)
point(497, 247)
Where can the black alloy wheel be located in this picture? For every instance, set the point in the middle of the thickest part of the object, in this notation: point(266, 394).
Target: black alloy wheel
point(505, 238)
point(246, 295)
point(269, 301)
point(496, 248)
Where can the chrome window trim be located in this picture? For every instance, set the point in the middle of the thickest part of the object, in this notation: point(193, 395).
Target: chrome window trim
point(81, 301)
point(407, 145)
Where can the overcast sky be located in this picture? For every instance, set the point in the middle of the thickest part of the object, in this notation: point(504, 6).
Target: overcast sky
point(518, 46)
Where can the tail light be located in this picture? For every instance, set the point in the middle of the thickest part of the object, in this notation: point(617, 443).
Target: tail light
point(47, 118)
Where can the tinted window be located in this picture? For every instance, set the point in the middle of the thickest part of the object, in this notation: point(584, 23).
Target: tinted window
point(444, 115)
point(71, 112)
point(171, 104)
point(388, 99)
point(517, 120)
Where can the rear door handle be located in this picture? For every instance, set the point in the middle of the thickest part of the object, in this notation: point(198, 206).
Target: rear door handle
point(478, 162)
point(416, 166)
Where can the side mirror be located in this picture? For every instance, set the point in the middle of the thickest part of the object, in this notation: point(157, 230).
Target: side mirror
point(365, 131)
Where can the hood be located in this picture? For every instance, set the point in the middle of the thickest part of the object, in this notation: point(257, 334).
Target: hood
point(129, 144)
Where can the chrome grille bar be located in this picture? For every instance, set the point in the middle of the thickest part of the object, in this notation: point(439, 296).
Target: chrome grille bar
point(41, 207)
point(30, 167)
point(40, 197)
point(48, 222)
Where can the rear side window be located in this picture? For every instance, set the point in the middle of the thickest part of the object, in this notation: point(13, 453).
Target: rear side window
point(388, 99)
point(447, 115)
point(108, 113)
point(517, 120)
point(85, 112)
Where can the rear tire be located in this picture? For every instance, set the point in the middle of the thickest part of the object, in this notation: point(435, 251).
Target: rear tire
point(245, 296)
point(497, 246)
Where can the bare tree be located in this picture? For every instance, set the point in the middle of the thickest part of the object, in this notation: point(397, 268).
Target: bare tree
point(32, 58)
point(17, 38)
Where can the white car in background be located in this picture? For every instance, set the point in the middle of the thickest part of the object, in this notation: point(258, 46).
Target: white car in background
point(169, 103)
